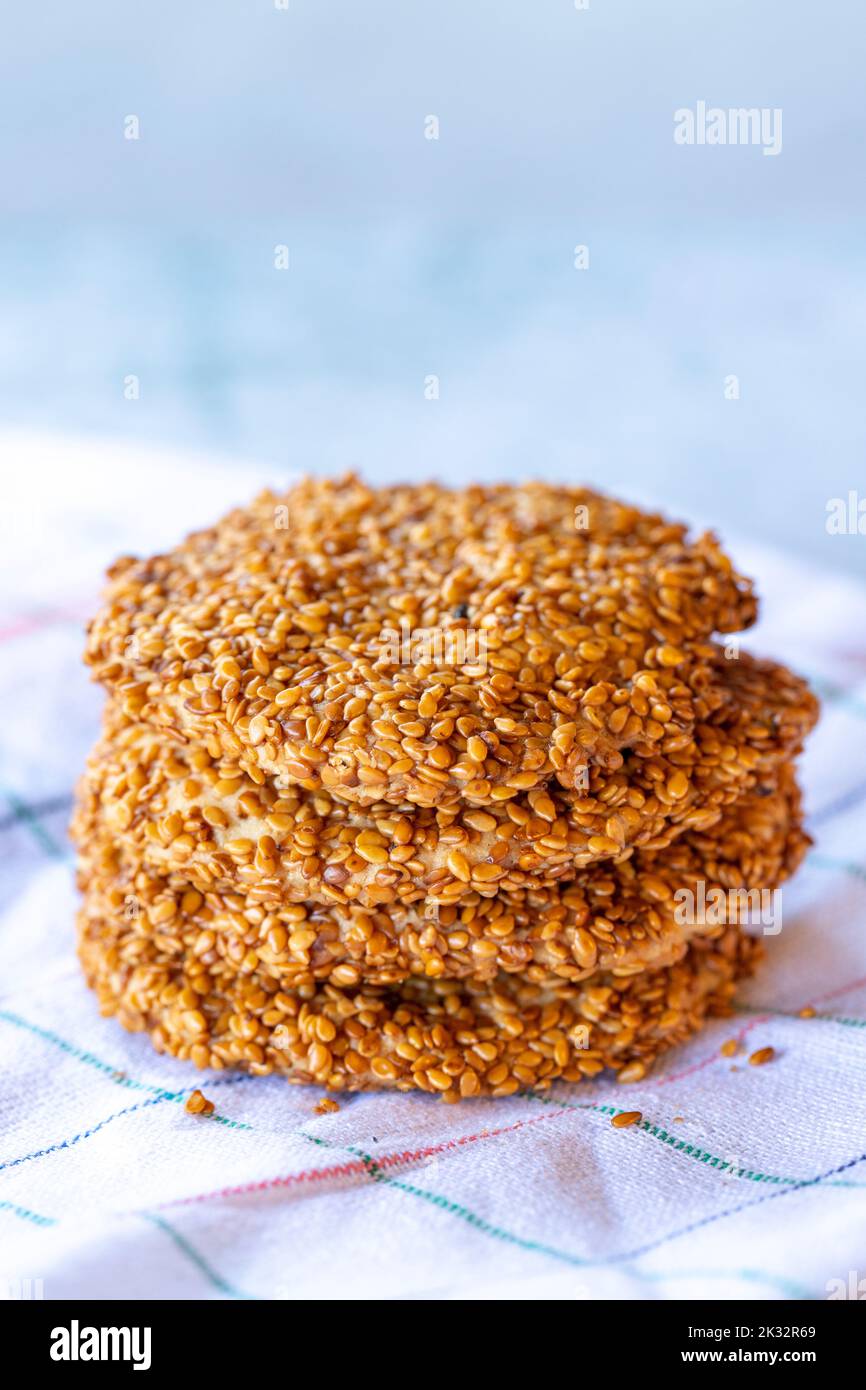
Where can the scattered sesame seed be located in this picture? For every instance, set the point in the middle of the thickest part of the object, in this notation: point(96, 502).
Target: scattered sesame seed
point(198, 1104)
point(764, 1054)
point(626, 1118)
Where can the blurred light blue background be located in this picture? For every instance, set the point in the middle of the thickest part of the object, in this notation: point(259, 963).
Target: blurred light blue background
point(262, 126)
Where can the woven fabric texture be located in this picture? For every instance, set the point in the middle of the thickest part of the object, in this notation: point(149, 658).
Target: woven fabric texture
point(739, 1180)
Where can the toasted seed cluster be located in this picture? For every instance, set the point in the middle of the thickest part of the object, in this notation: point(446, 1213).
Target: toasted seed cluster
point(198, 1104)
point(584, 623)
point(306, 847)
point(188, 808)
point(620, 917)
point(446, 1037)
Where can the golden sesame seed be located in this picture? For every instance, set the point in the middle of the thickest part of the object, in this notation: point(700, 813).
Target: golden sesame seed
point(459, 866)
point(476, 748)
point(198, 1104)
point(678, 785)
point(374, 854)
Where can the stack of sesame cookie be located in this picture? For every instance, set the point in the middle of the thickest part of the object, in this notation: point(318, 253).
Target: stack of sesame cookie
point(409, 787)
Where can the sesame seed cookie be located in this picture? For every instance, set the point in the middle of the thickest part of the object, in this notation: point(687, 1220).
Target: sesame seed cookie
point(186, 808)
point(617, 917)
point(407, 643)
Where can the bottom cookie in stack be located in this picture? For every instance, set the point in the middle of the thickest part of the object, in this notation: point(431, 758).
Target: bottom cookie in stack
point(456, 1037)
point(448, 1037)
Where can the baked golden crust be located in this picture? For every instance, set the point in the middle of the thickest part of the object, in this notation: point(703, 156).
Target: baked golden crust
point(618, 917)
point(183, 810)
point(547, 628)
point(452, 1039)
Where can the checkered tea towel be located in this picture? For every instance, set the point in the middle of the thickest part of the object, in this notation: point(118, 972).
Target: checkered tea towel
point(739, 1181)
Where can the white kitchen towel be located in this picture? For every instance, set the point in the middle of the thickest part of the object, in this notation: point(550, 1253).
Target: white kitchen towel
point(739, 1181)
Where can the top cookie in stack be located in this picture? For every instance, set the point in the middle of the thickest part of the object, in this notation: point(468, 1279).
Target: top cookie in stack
point(416, 644)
